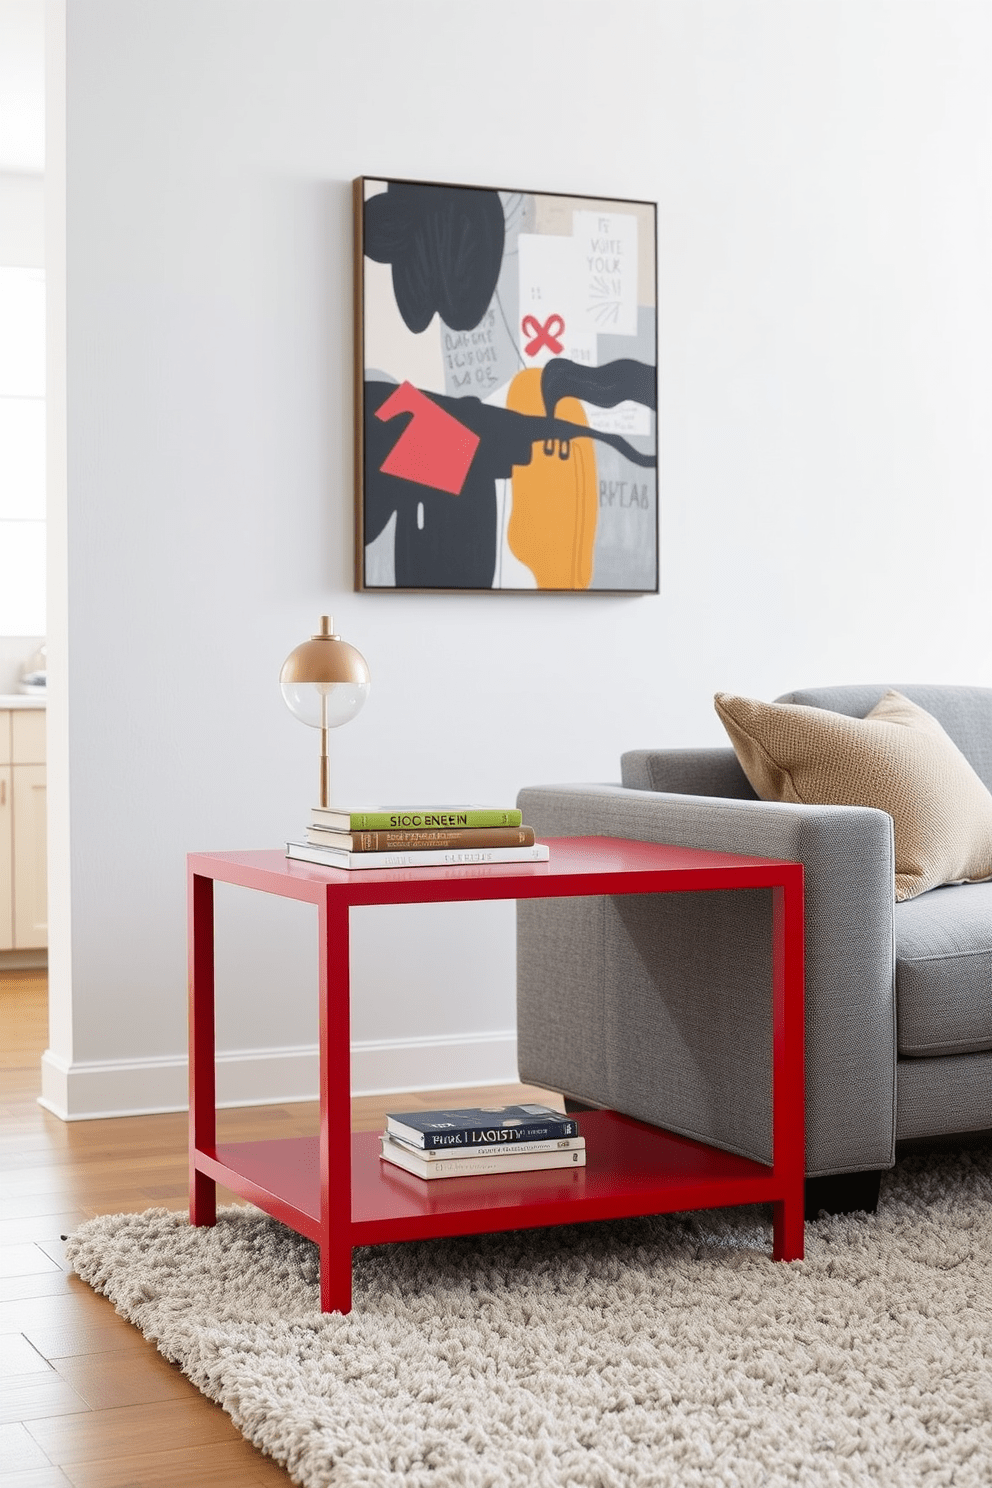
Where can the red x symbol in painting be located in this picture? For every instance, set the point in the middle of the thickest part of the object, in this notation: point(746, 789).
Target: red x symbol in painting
point(543, 335)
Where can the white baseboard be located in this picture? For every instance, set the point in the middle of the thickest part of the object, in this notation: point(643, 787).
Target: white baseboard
point(23, 960)
point(88, 1089)
point(448, 1063)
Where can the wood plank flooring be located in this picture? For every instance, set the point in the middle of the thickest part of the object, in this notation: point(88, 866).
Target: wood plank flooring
point(85, 1401)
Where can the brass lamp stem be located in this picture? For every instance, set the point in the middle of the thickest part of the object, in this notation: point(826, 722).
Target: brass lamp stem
point(325, 760)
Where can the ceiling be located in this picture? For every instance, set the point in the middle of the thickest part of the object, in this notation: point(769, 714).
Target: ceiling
point(22, 86)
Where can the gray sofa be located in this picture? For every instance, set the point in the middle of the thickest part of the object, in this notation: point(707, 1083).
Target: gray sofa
point(659, 1007)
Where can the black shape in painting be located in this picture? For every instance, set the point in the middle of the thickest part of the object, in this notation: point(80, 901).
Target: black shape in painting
point(603, 386)
point(445, 246)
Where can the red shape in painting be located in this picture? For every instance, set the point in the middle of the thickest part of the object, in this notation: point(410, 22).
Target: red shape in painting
point(434, 449)
point(543, 335)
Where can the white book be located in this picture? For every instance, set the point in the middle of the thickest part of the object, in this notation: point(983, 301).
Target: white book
point(462, 1167)
point(500, 1149)
point(334, 857)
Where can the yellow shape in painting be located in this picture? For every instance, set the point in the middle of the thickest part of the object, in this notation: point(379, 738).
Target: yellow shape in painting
point(552, 525)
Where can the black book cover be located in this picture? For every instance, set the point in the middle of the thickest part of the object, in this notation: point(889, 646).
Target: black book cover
point(480, 1126)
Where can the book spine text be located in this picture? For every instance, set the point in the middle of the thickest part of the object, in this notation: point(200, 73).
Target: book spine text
point(370, 821)
point(458, 838)
point(500, 1149)
point(481, 1136)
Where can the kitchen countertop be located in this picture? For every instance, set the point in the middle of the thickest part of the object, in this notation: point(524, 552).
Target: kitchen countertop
point(22, 700)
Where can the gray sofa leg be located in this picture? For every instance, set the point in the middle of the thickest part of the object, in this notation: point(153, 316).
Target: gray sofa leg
point(843, 1193)
point(577, 1106)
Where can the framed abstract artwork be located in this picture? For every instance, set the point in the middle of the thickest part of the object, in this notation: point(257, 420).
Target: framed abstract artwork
point(506, 370)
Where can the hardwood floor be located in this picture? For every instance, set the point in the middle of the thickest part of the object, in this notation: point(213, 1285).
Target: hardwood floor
point(85, 1400)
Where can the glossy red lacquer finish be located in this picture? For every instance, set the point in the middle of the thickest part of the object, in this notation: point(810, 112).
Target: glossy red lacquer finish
point(335, 1189)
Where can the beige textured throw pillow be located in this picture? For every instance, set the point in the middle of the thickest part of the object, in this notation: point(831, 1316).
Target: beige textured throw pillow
point(897, 759)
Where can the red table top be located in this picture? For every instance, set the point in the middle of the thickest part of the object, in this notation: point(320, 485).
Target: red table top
point(577, 865)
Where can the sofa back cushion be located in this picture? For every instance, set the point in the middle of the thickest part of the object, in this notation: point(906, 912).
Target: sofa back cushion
point(965, 713)
point(686, 772)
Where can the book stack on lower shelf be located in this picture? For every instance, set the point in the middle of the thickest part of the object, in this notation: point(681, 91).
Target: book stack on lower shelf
point(471, 1142)
point(417, 837)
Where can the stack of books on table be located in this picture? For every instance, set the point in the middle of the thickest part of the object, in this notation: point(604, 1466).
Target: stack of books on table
point(467, 1143)
point(417, 837)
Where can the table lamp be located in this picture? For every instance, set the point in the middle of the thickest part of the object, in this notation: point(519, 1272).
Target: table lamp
point(325, 683)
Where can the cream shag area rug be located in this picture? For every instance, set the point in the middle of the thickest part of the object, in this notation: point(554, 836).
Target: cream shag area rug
point(632, 1354)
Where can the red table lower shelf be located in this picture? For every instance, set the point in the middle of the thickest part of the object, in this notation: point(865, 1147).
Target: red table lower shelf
point(630, 1169)
point(334, 1188)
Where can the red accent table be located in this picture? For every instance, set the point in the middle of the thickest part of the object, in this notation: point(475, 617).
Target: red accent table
point(335, 1189)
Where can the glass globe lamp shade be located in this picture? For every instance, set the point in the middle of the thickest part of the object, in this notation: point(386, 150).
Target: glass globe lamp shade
point(325, 704)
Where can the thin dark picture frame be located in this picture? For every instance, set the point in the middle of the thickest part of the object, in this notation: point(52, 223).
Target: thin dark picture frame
point(417, 246)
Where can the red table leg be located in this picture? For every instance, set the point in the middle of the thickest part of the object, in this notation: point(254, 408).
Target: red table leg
point(335, 1107)
point(788, 1082)
point(202, 1078)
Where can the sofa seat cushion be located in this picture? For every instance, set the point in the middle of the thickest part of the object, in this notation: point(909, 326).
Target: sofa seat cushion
point(944, 971)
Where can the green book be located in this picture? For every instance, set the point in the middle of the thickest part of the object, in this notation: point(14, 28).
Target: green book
point(406, 818)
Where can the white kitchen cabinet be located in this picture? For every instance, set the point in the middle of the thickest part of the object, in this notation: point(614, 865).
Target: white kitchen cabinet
point(23, 855)
point(6, 857)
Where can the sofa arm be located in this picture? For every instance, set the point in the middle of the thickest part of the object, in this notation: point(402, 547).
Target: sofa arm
point(658, 1005)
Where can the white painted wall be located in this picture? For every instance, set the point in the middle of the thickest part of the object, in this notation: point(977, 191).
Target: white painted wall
point(22, 220)
point(824, 180)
